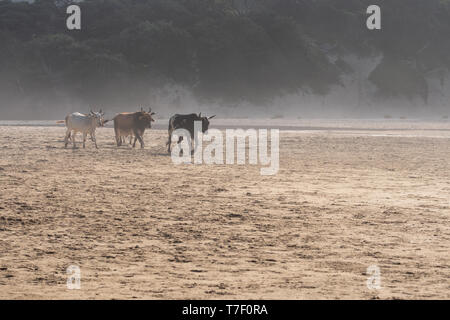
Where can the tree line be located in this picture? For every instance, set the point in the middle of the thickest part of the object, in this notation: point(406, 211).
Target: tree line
point(225, 51)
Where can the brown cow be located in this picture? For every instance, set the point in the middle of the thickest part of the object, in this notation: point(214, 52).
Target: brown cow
point(132, 123)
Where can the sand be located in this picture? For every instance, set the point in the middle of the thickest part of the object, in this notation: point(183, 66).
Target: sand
point(140, 227)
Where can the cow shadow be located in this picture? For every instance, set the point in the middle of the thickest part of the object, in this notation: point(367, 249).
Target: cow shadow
point(160, 154)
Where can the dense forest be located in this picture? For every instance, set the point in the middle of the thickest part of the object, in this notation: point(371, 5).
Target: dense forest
point(225, 52)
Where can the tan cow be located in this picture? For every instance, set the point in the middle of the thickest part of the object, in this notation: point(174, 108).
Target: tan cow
point(132, 123)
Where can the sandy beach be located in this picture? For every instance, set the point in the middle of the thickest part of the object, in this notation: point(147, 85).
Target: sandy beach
point(347, 196)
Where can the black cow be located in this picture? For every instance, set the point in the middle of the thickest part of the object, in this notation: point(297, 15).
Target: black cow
point(186, 121)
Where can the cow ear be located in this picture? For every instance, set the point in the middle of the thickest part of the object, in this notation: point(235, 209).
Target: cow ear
point(211, 117)
point(152, 114)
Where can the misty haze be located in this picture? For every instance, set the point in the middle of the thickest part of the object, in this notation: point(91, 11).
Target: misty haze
point(236, 58)
point(93, 205)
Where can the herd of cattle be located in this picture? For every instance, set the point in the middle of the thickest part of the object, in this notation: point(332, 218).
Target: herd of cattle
point(127, 124)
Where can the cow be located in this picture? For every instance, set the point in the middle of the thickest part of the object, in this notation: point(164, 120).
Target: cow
point(84, 123)
point(132, 124)
point(186, 121)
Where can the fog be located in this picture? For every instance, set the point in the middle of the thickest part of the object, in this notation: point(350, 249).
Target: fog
point(355, 98)
point(267, 59)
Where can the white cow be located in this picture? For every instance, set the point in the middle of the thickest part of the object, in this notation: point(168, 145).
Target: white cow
point(84, 123)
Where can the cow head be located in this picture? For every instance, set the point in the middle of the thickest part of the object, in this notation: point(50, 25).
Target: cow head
point(98, 117)
point(205, 121)
point(146, 118)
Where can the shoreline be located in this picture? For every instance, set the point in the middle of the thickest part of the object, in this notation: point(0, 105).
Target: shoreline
point(372, 125)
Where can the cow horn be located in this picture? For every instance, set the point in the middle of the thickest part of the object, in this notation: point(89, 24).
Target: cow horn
point(200, 115)
point(212, 117)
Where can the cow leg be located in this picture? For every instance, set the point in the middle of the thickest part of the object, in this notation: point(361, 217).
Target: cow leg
point(118, 138)
point(141, 141)
point(66, 138)
point(179, 141)
point(84, 139)
point(169, 142)
point(73, 139)
point(94, 139)
point(131, 139)
point(138, 136)
point(195, 141)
